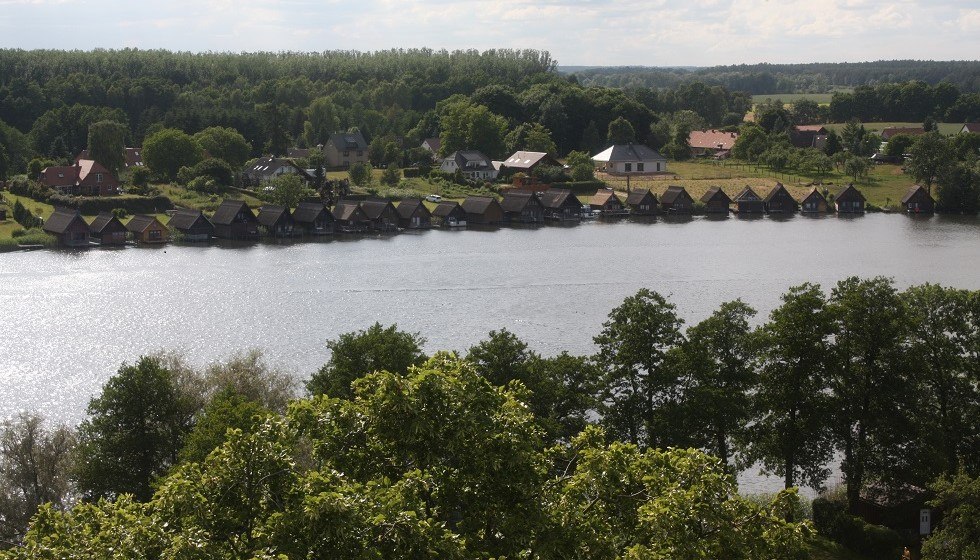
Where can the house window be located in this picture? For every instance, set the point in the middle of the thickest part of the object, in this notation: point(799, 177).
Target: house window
point(98, 177)
point(639, 166)
point(360, 153)
point(346, 153)
point(629, 167)
point(658, 166)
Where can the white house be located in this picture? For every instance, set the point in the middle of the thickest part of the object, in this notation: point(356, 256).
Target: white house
point(472, 164)
point(268, 168)
point(629, 158)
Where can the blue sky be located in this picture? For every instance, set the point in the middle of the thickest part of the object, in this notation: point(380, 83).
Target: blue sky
point(576, 32)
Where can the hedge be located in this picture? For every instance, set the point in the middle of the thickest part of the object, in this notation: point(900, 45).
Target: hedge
point(874, 541)
point(580, 187)
point(94, 205)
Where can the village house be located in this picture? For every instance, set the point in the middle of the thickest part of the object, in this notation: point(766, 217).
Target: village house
point(607, 202)
point(716, 201)
point(147, 229)
point(918, 201)
point(522, 208)
point(298, 153)
point(432, 145)
point(413, 214)
point(235, 220)
point(779, 201)
point(192, 225)
point(561, 205)
point(266, 169)
point(107, 229)
point(382, 214)
point(349, 217)
point(748, 202)
point(676, 200)
point(483, 210)
point(449, 214)
point(132, 157)
point(528, 161)
point(86, 178)
point(814, 203)
point(313, 218)
point(472, 164)
point(970, 128)
point(711, 143)
point(850, 201)
point(345, 149)
point(620, 159)
point(277, 221)
point(808, 136)
point(641, 203)
point(69, 227)
point(891, 131)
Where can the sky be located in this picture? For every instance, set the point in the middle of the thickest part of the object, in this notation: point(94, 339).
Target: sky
point(575, 32)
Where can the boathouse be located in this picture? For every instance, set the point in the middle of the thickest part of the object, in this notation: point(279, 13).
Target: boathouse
point(606, 202)
point(641, 203)
point(69, 227)
point(483, 210)
point(108, 230)
point(449, 214)
point(313, 218)
point(522, 208)
point(235, 220)
point(192, 225)
point(918, 201)
point(147, 229)
point(748, 202)
point(716, 201)
point(413, 214)
point(814, 203)
point(276, 221)
point(779, 201)
point(675, 200)
point(850, 201)
point(350, 218)
point(561, 205)
point(382, 214)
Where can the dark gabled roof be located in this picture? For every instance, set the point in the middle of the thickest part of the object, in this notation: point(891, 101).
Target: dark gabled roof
point(186, 218)
point(445, 208)
point(813, 193)
point(347, 210)
point(348, 141)
point(850, 194)
point(298, 152)
point(713, 193)
point(516, 201)
point(478, 204)
point(307, 212)
point(637, 197)
point(409, 206)
point(628, 152)
point(269, 214)
point(779, 188)
point(140, 222)
point(672, 193)
point(602, 196)
point(61, 220)
point(104, 220)
point(914, 190)
point(556, 198)
point(471, 160)
point(374, 207)
point(747, 195)
point(225, 214)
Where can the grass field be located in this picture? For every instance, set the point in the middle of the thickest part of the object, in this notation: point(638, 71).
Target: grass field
point(944, 128)
point(885, 185)
point(790, 98)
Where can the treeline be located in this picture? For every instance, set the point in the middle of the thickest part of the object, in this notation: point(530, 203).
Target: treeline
point(914, 101)
point(789, 78)
point(504, 452)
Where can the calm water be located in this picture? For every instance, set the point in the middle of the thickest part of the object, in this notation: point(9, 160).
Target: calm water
point(71, 317)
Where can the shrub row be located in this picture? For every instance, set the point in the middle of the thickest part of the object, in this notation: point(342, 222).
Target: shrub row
point(90, 206)
point(874, 541)
point(580, 187)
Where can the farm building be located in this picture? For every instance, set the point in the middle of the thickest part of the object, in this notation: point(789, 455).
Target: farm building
point(449, 214)
point(108, 230)
point(147, 229)
point(850, 201)
point(350, 218)
point(483, 210)
point(716, 201)
point(606, 201)
point(69, 227)
point(413, 214)
point(561, 205)
point(918, 201)
point(192, 225)
point(676, 200)
point(641, 203)
point(779, 201)
point(748, 202)
point(235, 220)
point(277, 221)
point(815, 203)
point(629, 158)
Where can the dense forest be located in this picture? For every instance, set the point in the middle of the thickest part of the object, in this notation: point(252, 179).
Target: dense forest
point(790, 78)
point(501, 452)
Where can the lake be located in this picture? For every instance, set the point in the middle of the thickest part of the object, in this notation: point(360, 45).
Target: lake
point(71, 317)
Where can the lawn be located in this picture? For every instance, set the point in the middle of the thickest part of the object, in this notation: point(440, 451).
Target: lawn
point(205, 202)
point(885, 186)
point(944, 128)
point(790, 98)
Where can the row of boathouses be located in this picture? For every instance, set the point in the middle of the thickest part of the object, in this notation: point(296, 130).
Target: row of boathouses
point(234, 219)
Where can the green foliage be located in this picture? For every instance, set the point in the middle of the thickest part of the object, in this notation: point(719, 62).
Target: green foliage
point(106, 142)
point(874, 541)
point(391, 175)
point(136, 428)
point(641, 391)
point(958, 188)
point(532, 137)
point(140, 176)
point(356, 354)
point(226, 411)
point(464, 126)
point(212, 168)
point(857, 167)
point(899, 145)
point(958, 535)
point(360, 174)
point(289, 190)
point(581, 166)
point(929, 154)
point(620, 132)
point(224, 143)
point(23, 216)
point(166, 151)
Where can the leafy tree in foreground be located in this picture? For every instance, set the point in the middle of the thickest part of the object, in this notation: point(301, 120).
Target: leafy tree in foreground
point(640, 391)
point(719, 361)
point(35, 467)
point(360, 174)
point(134, 433)
point(226, 411)
point(791, 435)
point(958, 535)
point(356, 354)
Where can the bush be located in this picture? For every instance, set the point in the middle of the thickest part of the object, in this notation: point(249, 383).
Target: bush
point(140, 177)
point(874, 541)
point(89, 206)
point(212, 168)
point(580, 187)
